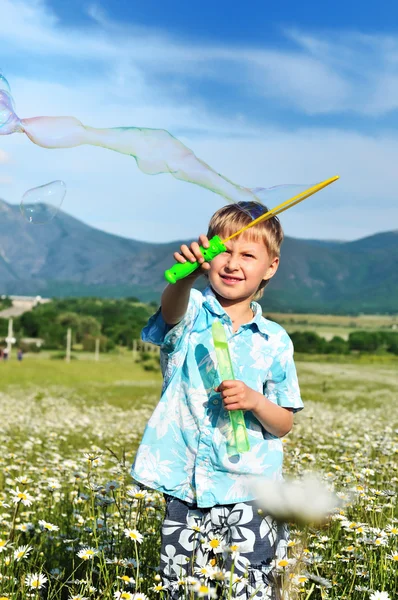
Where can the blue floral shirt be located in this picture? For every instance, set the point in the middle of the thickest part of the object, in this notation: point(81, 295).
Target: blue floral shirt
point(184, 450)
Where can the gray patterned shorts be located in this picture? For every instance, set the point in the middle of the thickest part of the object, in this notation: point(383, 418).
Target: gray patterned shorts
point(219, 545)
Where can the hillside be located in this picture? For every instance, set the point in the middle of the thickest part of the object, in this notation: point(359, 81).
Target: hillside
point(69, 258)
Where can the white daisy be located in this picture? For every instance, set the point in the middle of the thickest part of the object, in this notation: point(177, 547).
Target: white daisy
point(134, 535)
point(35, 580)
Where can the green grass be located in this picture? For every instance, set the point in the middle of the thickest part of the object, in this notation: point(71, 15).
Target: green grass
point(114, 380)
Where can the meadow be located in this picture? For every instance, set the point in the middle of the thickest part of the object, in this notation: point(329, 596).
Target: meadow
point(328, 326)
point(73, 525)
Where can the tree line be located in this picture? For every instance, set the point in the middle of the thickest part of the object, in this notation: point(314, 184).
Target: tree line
point(371, 342)
point(115, 322)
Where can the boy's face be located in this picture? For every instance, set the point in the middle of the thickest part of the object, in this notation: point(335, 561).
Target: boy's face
point(236, 274)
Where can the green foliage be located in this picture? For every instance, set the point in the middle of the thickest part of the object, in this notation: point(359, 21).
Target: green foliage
point(373, 341)
point(370, 342)
point(5, 302)
point(89, 342)
point(3, 327)
point(309, 342)
point(337, 345)
point(117, 322)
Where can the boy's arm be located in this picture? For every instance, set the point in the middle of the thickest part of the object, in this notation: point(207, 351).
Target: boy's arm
point(175, 298)
point(277, 420)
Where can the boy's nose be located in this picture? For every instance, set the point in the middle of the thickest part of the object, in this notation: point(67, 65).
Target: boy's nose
point(232, 263)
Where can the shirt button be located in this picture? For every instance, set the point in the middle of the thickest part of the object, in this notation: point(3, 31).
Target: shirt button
point(206, 431)
point(215, 401)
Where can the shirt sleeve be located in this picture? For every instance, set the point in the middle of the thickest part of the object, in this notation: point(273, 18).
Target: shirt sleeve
point(282, 387)
point(171, 338)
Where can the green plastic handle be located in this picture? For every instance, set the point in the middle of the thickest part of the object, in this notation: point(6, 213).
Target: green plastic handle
point(226, 373)
point(180, 270)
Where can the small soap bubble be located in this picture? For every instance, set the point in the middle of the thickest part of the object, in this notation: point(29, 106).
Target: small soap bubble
point(41, 204)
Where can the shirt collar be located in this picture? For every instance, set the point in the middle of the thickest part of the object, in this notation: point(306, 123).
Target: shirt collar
point(215, 307)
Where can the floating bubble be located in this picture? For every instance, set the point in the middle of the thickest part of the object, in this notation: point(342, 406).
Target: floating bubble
point(41, 204)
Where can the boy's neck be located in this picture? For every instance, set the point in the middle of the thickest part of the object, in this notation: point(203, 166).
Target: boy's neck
point(239, 311)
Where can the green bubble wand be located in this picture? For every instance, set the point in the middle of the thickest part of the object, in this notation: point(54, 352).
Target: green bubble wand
point(227, 373)
point(217, 246)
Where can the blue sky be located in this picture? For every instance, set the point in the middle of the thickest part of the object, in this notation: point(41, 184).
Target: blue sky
point(265, 94)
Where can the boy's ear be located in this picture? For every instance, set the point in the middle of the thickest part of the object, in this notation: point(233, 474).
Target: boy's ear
point(272, 269)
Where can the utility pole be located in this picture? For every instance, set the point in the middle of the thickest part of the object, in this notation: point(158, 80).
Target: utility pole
point(10, 339)
point(68, 344)
point(97, 349)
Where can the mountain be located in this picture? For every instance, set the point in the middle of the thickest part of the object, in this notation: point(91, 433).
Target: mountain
point(69, 258)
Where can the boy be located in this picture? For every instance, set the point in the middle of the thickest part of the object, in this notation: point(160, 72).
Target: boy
point(210, 510)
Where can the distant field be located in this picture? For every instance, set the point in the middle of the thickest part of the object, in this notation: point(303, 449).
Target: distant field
point(328, 326)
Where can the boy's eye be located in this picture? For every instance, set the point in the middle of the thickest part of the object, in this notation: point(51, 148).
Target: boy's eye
point(249, 255)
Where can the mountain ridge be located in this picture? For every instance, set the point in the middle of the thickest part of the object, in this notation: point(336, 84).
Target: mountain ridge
point(68, 257)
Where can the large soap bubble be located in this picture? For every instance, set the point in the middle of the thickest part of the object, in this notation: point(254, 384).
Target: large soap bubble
point(154, 150)
point(41, 204)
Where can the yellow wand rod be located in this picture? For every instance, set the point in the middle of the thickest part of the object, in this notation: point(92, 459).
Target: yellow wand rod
point(284, 206)
point(181, 270)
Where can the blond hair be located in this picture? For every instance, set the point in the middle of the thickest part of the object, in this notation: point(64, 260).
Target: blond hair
point(229, 219)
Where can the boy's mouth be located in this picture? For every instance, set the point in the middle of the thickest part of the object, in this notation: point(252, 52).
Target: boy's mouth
point(230, 280)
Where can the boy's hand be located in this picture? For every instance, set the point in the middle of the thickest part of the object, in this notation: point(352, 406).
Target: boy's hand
point(237, 395)
point(193, 254)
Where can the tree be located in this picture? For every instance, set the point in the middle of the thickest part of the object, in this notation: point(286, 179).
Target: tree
point(308, 341)
point(337, 345)
point(365, 341)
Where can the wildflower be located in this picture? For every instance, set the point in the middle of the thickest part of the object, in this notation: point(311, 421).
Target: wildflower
point(25, 527)
point(380, 541)
point(4, 545)
point(205, 571)
point(77, 597)
point(204, 590)
point(299, 580)
point(52, 485)
point(235, 578)
point(283, 563)
point(111, 486)
point(35, 581)
point(393, 556)
point(214, 544)
point(136, 493)
point(23, 497)
point(87, 553)
point(23, 480)
point(123, 596)
point(380, 596)
point(139, 596)
point(392, 530)
point(48, 526)
point(92, 457)
point(133, 534)
point(127, 580)
point(159, 587)
point(22, 552)
point(130, 563)
point(231, 550)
